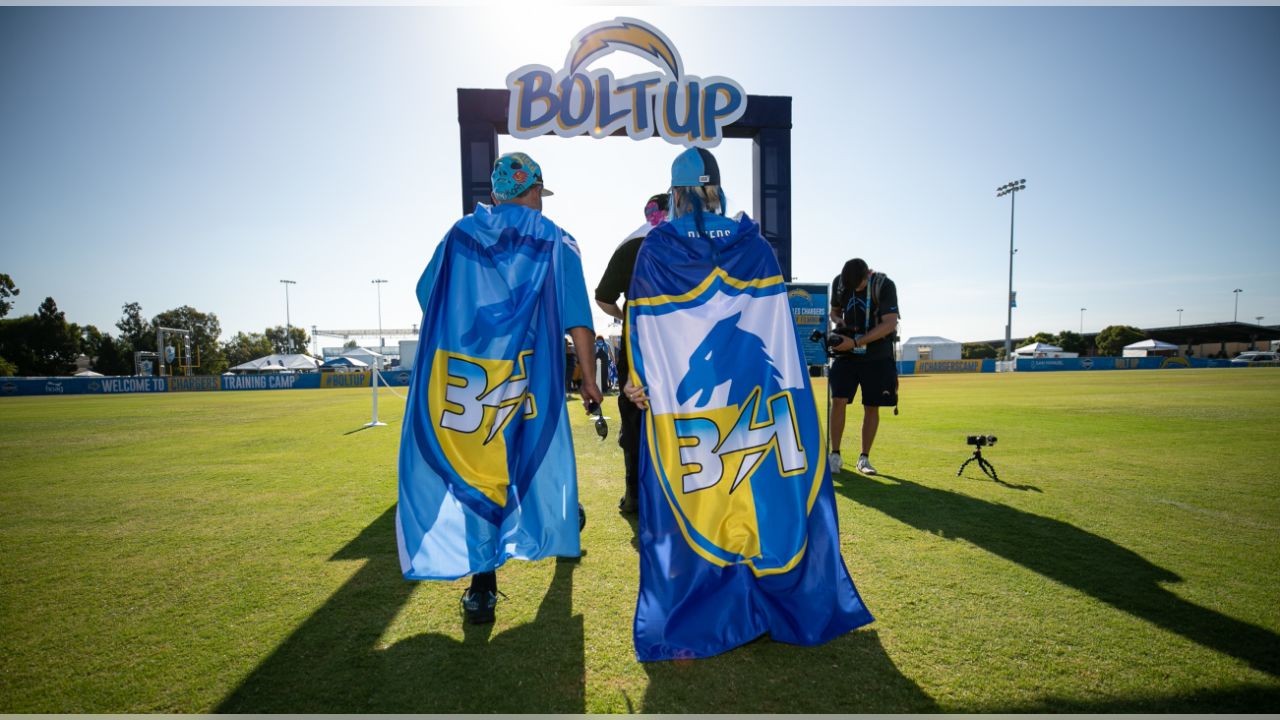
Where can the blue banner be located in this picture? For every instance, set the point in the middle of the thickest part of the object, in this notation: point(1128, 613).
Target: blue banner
point(271, 381)
point(1115, 363)
point(113, 385)
point(81, 386)
point(738, 532)
point(809, 310)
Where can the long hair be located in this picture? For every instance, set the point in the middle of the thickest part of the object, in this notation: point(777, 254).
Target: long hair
point(851, 276)
point(685, 200)
point(697, 201)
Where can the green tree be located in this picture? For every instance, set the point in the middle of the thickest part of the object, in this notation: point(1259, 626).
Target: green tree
point(280, 338)
point(1072, 342)
point(7, 369)
point(1042, 337)
point(350, 344)
point(244, 347)
point(205, 330)
point(135, 332)
point(113, 358)
point(14, 345)
point(1112, 339)
point(54, 343)
point(91, 339)
point(7, 290)
point(977, 351)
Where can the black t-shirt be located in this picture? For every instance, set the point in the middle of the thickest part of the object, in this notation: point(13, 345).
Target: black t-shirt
point(853, 314)
point(616, 280)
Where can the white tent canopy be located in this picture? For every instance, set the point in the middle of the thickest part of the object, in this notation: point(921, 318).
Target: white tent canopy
point(930, 347)
point(1143, 348)
point(1037, 347)
point(344, 361)
point(365, 355)
point(1042, 350)
point(1150, 345)
point(278, 363)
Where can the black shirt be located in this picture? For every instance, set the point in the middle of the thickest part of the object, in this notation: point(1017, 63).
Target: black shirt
point(853, 314)
point(615, 282)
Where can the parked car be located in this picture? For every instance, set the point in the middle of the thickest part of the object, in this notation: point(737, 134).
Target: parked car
point(1255, 358)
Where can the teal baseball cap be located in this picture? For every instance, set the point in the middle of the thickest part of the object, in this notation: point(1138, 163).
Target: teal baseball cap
point(695, 167)
point(513, 173)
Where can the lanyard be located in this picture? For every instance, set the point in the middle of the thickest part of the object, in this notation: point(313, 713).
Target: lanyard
point(866, 318)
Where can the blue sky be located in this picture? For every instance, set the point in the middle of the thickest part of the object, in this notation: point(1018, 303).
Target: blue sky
point(196, 156)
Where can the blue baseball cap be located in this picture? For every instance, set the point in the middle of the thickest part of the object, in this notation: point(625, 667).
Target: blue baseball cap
point(513, 173)
point(695, 167)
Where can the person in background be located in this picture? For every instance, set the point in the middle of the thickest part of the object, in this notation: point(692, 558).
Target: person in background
point(864, 309)
point(614, 283)
point(604, 360)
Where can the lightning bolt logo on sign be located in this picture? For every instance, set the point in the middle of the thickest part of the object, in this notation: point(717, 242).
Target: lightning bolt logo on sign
point(683, 109)
point(643, 40)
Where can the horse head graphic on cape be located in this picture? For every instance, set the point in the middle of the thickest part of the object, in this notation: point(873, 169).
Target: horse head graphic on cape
point(733, 355)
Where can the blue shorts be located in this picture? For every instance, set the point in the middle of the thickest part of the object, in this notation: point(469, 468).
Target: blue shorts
point(878, 378)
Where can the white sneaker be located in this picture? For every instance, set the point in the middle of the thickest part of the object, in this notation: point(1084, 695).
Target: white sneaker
point(835, 462)
point(864, 465)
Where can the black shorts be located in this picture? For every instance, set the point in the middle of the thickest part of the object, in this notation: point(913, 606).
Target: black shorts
point(878, 378)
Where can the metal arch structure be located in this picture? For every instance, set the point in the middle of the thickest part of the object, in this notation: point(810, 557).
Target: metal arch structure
point(347, 334)
point(482, 117)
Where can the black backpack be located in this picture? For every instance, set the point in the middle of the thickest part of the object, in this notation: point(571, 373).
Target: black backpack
point(877, 284)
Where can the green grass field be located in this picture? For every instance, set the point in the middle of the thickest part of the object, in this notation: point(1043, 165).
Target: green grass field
point(235, 552)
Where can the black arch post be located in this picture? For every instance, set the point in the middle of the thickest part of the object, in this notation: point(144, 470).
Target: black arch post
point(482, 117)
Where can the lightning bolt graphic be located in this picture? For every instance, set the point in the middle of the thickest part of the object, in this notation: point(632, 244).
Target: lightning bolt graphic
point(508, 395)
point(623, 34)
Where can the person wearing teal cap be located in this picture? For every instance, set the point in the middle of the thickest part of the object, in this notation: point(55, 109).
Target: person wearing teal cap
point(483, 303)
point(737, 533)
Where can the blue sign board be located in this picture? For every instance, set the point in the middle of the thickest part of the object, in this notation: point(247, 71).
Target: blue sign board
point(1116, 363)
point(195, 383)
point(809, 308)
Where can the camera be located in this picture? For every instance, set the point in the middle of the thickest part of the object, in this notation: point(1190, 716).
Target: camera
point(835, 337)
point(981, 440)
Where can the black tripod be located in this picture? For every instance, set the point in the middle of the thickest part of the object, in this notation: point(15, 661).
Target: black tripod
point(987, 467)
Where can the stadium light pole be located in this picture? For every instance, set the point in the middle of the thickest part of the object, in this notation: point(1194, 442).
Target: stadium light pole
point(1236, 315)
point(1009, 189)
point(382, 342)
point(288, 324)
point(1259, 319)
point(1082, 320)
point(1179, 317)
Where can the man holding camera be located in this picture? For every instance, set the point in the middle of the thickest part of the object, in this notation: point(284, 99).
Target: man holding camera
point(864, 310)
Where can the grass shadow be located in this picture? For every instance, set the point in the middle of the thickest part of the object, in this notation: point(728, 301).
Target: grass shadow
point(331, 663)
point(366, 426)
point(1242, 699)
point(1062, 552)
point(850, 674)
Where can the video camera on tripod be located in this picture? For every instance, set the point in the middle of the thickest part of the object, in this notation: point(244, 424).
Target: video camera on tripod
point(978, 442)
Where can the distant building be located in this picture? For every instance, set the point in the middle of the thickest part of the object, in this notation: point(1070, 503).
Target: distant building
point(930, 347)
point(1226, 339)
